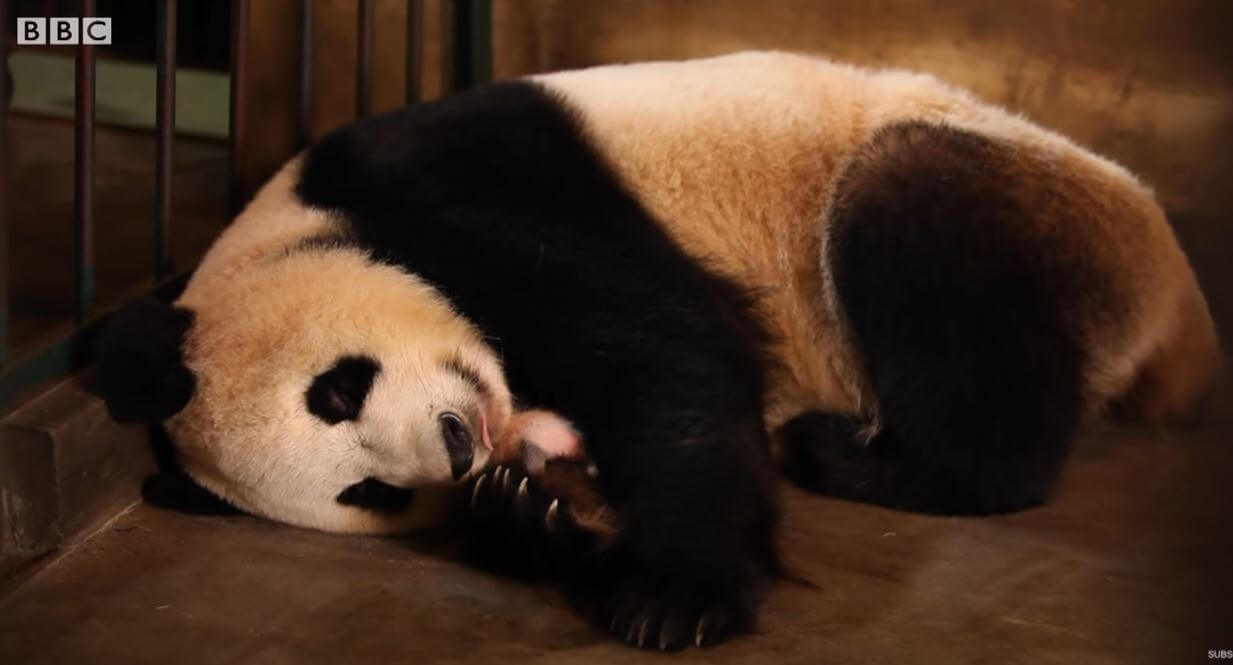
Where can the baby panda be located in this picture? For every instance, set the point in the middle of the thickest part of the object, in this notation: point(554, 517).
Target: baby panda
point(711, 270)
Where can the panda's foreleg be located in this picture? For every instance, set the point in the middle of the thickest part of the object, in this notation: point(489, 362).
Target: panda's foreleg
point(689, 474)
point(670, 546)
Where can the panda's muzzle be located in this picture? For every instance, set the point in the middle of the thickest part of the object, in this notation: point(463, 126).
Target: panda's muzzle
point(459, 444)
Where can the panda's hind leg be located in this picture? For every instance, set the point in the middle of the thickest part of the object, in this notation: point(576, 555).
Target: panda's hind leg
point(952, 269)
point(833, 455)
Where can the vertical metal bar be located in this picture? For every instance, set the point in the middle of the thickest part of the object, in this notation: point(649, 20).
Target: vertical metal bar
point(472, 42)
point(164, 155)
point(304, 122)
point(363, 59)
point(5, 91)
point(236, 128)
point(446, 35)
point(83, 176)
point(415, 50)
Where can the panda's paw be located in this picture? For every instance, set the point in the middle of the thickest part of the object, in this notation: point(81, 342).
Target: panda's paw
point(513, 525)
point(506, 493)
point(673, 616)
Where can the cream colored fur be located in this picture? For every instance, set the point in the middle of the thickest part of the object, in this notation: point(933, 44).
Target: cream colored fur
point(739, 155)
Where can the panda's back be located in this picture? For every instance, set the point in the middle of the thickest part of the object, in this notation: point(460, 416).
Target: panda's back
point(739, 157)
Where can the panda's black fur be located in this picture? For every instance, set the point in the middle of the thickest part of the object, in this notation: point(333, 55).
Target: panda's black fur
point(496, 198)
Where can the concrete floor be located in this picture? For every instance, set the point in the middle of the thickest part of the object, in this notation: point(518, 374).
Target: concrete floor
point(1129, 564)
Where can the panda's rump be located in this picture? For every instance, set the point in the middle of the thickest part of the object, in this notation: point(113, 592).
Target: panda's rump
point(996, 294)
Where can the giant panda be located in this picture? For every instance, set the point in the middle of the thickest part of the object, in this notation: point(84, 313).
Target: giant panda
point(896, 293)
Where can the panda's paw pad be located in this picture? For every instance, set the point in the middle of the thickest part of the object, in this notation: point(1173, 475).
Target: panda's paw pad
point(673, 618)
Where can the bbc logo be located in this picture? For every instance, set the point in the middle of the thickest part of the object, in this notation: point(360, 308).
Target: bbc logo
point(64, 31)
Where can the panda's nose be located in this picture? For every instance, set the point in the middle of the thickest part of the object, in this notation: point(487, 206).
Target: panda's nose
point(459, 444)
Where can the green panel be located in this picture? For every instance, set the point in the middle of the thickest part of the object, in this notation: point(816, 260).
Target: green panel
point(125, 92)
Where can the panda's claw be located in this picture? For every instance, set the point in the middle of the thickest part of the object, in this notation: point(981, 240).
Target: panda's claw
point(643, 632)
point(550, 516)
point(661, 614)
point(477, 488)
point(522, 491)
point(673, 635)
point(632, 633)
point(711, 627)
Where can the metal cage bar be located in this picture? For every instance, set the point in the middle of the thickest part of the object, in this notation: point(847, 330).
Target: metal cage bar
point(472, 44)
point(166, 127)
point(235, 124)
point(4, 190)
point(304, 117)
point(363, 59)
point(414, 51)
point(83, 177)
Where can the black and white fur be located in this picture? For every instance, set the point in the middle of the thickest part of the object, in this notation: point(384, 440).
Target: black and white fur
point(908, 297)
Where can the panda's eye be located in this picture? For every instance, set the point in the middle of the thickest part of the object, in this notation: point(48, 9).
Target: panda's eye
point(458, 443)
point(454, 430)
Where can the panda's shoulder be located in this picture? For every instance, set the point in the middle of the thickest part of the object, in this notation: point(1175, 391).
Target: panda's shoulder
point(476, 145)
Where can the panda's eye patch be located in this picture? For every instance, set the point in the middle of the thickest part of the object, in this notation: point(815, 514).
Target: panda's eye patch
point(458, 443)
point(338, 394)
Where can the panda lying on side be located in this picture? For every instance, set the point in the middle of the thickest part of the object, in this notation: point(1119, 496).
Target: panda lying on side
point(903, 295)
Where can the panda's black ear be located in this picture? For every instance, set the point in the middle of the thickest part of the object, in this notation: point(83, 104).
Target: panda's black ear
point(141, 372)
point(338, 393)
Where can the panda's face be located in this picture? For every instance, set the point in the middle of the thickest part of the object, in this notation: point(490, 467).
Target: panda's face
point(353, 449)
point(324, 390)
point(367, 439)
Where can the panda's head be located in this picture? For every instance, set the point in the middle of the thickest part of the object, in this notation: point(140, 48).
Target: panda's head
point(315, 387)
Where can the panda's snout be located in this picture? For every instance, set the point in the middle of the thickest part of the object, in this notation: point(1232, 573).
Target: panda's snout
point(459, 444)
